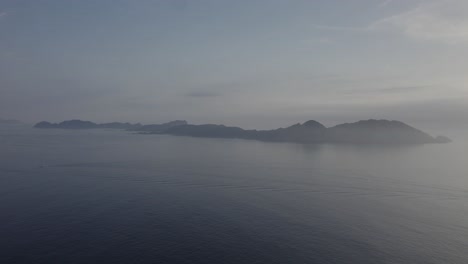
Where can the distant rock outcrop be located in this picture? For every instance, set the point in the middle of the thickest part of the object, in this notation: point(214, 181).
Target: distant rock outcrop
point(69, 124)
point(45, 124)
point(442, 139)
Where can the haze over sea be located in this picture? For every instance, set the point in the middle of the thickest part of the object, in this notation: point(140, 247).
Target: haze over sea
point(110, 196)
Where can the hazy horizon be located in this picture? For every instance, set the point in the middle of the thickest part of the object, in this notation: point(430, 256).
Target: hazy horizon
point(253, 64)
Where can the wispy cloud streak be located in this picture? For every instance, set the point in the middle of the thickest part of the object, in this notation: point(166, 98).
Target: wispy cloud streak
point(445, 21)
point(431, 20)
point(202, 94)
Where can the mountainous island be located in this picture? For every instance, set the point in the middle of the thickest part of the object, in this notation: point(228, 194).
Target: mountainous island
point(362, 132)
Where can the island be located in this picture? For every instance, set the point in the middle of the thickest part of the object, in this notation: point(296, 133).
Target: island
point(362, 132)
point(370, 131)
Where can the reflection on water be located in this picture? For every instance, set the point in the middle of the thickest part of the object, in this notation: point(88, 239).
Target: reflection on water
point(97, 196)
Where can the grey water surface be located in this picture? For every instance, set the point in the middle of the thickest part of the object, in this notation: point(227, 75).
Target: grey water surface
point(109, 196)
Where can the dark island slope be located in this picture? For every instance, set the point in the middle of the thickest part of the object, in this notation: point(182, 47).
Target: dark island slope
point(362, 132)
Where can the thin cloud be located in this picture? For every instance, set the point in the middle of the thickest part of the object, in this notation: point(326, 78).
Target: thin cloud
point(2, 14)
point(445, 21)
point(403, 89)
point(340, 28)
point(385, 3)
point(391, 90)
point(202, 94)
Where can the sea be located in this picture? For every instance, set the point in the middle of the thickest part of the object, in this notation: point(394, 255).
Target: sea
point(112, 196)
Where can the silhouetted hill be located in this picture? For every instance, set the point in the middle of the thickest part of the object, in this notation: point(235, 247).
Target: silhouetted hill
point(118, 125)
point(308, 132)
point(361, 132)
point(160, 127)
point(378, 131)
point(69, 124)
point(209, 130)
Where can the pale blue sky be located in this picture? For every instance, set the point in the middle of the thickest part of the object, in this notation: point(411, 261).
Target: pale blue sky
point(256, 64)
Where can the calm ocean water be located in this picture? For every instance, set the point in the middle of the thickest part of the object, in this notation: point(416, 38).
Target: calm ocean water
point(97, 196)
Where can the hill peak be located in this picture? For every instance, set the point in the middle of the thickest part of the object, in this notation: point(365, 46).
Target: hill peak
point(313, 123)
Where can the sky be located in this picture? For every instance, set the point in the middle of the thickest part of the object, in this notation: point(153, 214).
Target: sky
point(250, 63)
